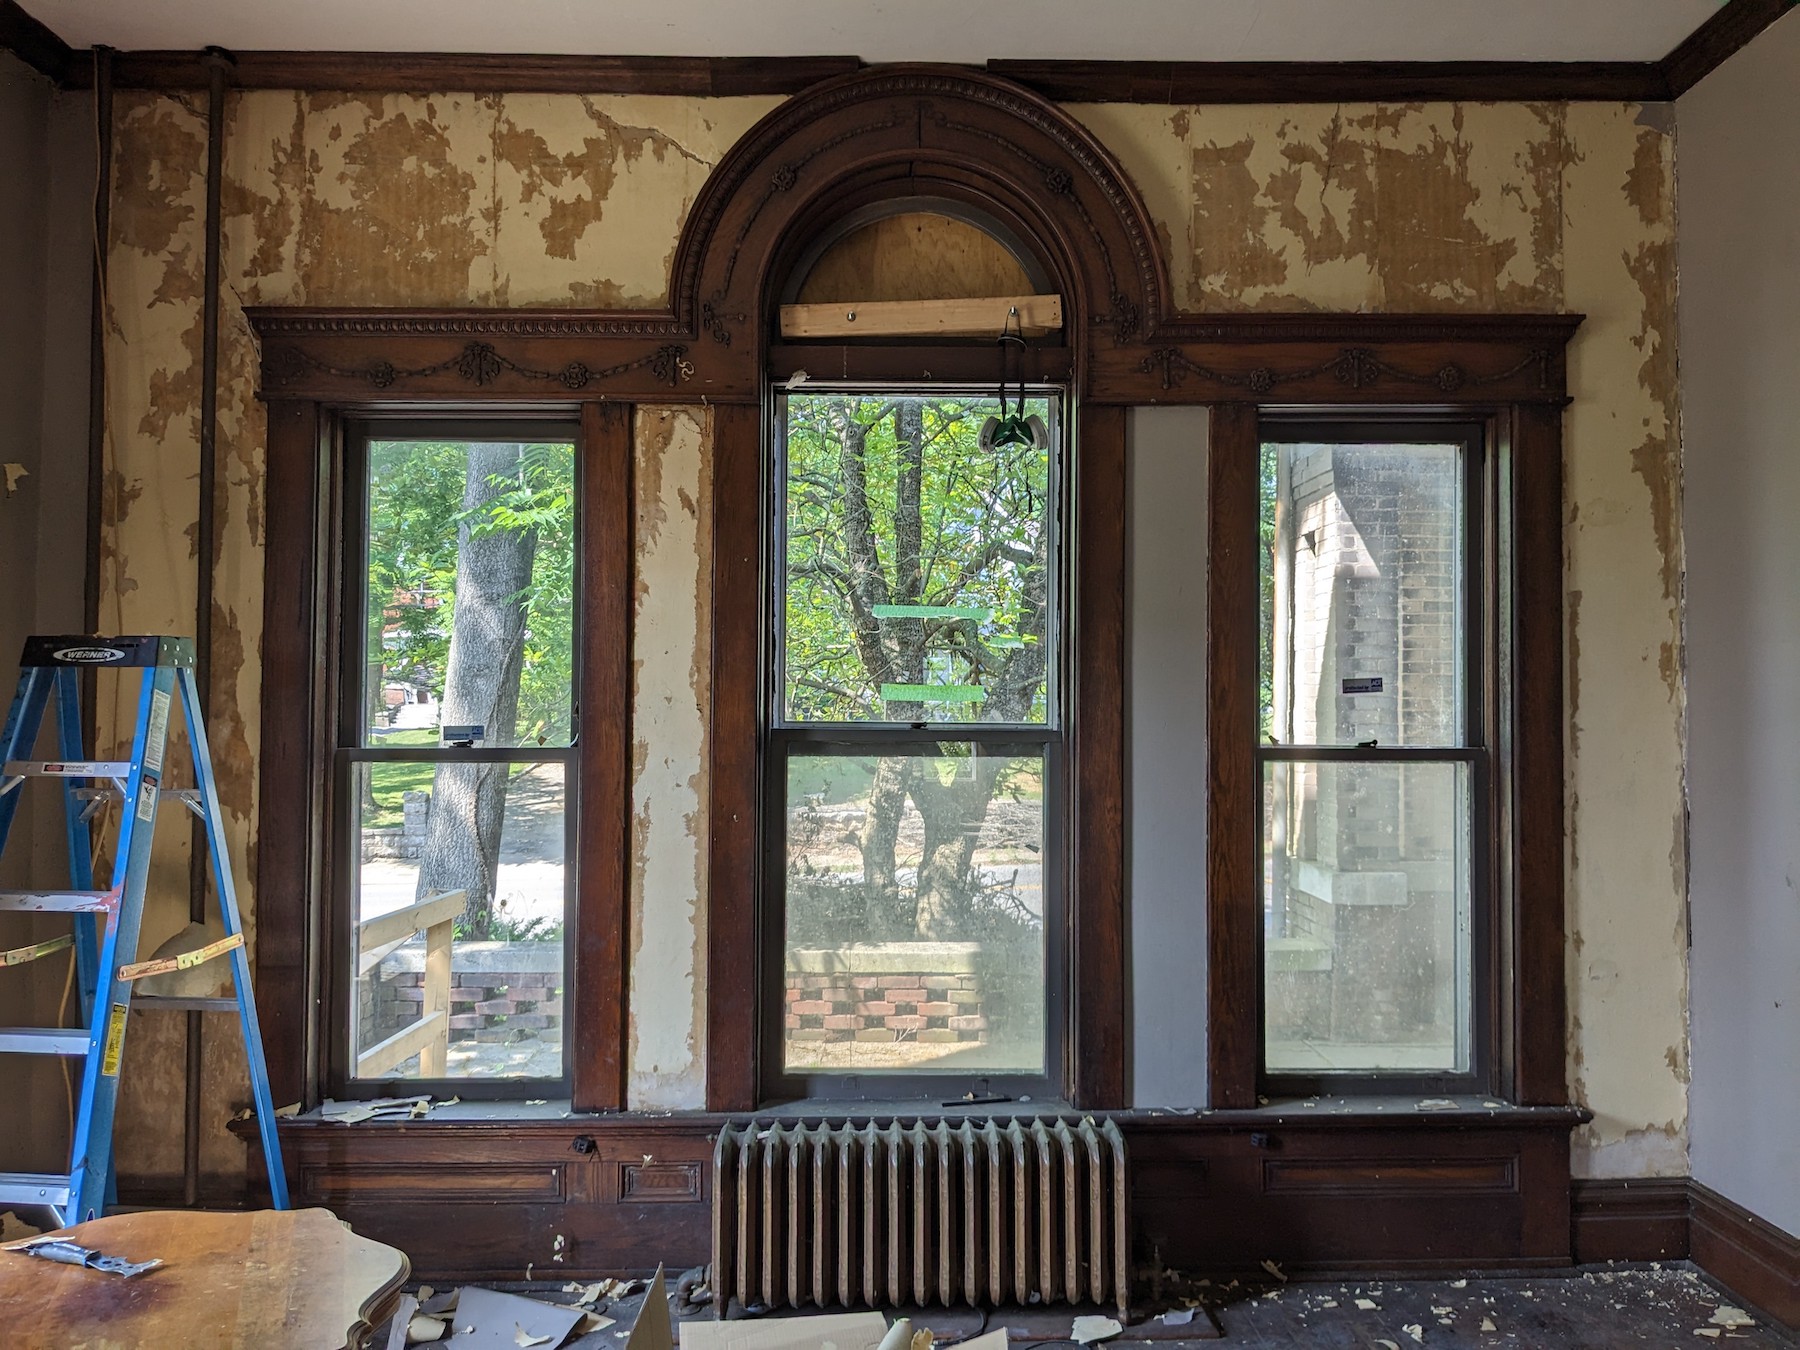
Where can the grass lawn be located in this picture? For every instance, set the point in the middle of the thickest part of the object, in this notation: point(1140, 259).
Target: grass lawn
point(389, 783)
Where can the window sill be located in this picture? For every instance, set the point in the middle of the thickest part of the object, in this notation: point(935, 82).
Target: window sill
point(1319, 1112)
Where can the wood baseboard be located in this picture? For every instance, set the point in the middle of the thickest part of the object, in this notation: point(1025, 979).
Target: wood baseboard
point(1748, 1255)
point(1619, 1219)
point(1672, 1218)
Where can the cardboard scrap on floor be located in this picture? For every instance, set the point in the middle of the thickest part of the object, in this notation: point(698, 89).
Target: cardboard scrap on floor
point(488, 1320)
point(473, 1318)
point(826, 1331)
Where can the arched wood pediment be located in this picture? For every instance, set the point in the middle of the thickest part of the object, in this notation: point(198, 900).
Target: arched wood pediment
point(920, 131)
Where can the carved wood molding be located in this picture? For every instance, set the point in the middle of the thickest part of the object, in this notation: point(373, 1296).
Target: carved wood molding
point(902, 132)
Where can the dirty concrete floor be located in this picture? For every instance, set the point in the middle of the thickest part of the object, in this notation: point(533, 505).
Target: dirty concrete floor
point(1600, 1308)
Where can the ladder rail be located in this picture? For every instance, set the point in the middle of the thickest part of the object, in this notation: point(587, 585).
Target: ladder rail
point(91, 1167)
point(81, 848)
point(23, 718)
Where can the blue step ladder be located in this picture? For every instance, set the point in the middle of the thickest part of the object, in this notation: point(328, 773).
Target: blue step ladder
point(106, 922)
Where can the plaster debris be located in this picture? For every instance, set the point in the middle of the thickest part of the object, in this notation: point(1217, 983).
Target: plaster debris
point(1727, 1316)
point(1367, 1304)
point(1088, 1330)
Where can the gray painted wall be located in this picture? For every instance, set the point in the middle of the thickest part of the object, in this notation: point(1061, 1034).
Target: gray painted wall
point(46, 165)
point(1165, 635)
point(1738, 177)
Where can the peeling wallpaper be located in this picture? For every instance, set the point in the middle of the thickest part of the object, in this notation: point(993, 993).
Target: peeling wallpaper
point(568, 200)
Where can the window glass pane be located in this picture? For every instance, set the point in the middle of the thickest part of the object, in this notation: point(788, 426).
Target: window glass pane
point(915, 912)
point(918, 578)
point(495, 833)
point(1366, 914)
point(471, 549)
point(1362, 597)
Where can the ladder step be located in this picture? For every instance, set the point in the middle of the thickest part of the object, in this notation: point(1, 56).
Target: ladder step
point(43, 1041)
point(34, 1188)
point(60, 902)
point(176, 1003)
point(68, 768)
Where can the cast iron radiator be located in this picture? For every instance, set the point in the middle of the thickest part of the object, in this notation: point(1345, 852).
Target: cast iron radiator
point(982, 1212)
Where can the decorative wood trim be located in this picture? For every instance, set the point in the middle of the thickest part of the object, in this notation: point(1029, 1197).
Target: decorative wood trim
point(1745, 1253)
point(41, 49)
point(486, 73)
point(1172, 82)
point(733, 971)
point(290, 859)
point(1385, 1191)
point(929, 127)
point(602, 933)
point(1530, 750)
point(1629, 1219)
point(1186, 82)
point(1233, 897)
point(1096, 813)
point(1717, 40)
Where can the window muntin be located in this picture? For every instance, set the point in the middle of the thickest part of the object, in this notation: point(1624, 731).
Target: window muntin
point(1373, 763)
point(914, 754)
point(457, 727)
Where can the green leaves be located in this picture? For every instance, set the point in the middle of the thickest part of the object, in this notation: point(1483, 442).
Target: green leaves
point(915, 560)
point(414, 515)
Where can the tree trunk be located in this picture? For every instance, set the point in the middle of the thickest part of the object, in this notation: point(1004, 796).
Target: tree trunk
point(481, 686)
point(953, 816)
point(886, 914)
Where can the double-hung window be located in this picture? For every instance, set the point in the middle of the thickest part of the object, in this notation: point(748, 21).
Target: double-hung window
point(456, 725)
point(914, 757)
point(1373, 748)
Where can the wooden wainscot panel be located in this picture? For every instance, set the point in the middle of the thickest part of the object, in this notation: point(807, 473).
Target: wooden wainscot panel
point(580, 1196)
point(1374, 1196)
point(661, 1183)
point(1390, 1176)
point(342, 1183)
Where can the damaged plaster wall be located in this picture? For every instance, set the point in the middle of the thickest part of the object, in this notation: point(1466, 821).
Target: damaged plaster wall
point(671, 691)
point(1513, 207)
point(565, 200)
point(46, 243)
point(1740, 331)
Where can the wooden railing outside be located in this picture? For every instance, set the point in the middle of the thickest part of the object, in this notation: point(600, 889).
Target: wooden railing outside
point(429, 1036)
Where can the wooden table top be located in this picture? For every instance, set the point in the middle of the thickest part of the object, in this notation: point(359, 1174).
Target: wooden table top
point(293, 1279)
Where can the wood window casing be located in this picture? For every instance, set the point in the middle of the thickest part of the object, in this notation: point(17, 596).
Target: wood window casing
point(962, 135)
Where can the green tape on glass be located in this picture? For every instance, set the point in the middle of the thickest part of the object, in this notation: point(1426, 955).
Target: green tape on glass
point(933, 612)
point(1005, 641)
point(933, 693)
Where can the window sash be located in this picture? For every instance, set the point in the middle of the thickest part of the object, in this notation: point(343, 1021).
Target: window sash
point(1055, 620)
point(784, 738)
point(1480, 690)
point(339, 981)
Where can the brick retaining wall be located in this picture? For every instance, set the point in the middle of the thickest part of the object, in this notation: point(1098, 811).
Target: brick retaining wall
point(499, 991)
point(921, 991)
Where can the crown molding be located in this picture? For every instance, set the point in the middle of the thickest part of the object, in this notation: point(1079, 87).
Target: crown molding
point(1717, 40)
point(1183, 82)
point(1703, 51)
point(36, 45)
